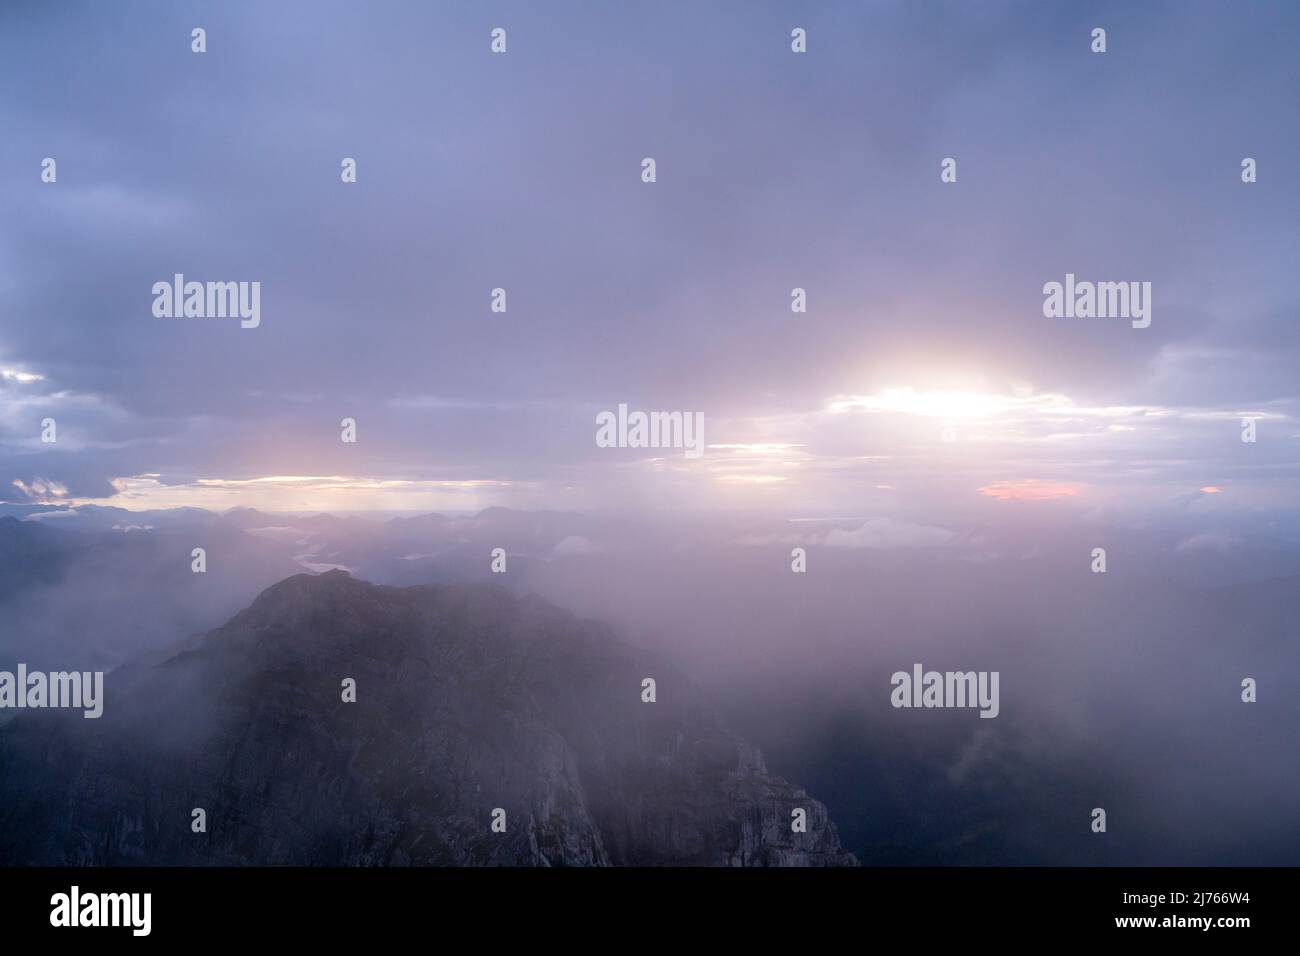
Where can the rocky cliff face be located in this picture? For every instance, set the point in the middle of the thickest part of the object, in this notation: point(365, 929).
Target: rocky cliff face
point(467, 700)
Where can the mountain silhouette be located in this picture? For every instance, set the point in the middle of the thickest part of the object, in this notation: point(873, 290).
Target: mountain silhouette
point(468, 701)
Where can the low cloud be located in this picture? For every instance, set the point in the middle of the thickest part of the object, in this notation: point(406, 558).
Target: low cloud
point(886, 533)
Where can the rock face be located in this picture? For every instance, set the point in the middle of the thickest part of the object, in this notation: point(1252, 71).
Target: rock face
point(467, 700)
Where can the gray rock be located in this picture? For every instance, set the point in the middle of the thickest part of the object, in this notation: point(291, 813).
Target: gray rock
point(468, 699)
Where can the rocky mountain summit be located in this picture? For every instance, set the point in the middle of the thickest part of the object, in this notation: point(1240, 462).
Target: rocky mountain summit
point(467, 700)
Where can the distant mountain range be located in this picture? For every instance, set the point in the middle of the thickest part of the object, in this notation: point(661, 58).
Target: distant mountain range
point(467, 700)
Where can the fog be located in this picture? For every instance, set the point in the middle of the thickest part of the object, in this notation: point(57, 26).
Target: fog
point(1118, 690)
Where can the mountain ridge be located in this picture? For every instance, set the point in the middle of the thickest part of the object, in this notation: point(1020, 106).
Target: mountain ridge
point(468, 701)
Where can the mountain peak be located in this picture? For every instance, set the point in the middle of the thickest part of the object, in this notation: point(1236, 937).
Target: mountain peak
point(466, 700)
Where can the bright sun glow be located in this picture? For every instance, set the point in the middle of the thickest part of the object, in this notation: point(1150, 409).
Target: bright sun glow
point(947, 405)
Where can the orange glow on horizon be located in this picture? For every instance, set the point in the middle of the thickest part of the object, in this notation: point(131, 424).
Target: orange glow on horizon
point(1029, 489)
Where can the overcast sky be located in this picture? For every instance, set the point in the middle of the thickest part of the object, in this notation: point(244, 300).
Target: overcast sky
point(775, 170)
